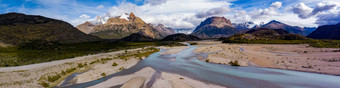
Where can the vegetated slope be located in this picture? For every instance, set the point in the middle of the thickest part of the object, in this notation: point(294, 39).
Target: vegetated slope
point(181, 37)
point(265, 34)
point(326, 32)
point(136, 37)
point(17, 28)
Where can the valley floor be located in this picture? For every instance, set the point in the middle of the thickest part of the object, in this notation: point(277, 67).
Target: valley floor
point(31, 76)
point(299, 57)
point(291, 57)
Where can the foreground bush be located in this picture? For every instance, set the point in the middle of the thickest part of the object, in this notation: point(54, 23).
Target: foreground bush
point(234, 63)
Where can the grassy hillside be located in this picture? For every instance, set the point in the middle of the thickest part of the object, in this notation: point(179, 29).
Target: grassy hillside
point(268, 36)
point(38, 51)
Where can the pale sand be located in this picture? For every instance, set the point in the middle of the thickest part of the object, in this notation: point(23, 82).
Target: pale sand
point(28, 76)
point(290, 57)
point(134, 83)
point(140, 79)
point(179, 81)
point(145, 73)
point(172, 50)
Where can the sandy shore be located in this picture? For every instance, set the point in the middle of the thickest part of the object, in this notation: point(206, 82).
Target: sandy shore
point(292, 57)
point(172, 50)
point(29, 76)
point(140, 79)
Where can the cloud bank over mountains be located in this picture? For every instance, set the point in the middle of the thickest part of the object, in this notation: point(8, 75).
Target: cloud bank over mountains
point(185, 13)
point(326, 12)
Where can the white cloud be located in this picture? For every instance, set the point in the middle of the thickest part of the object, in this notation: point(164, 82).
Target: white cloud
point(328, 18)
point(183, 16)
point(276, 5)
point(84, 16)
point(100, 7)
point(81, 19)
point(213, 12)
point(257, 14)
point(156, 2)
point(302, 10)
point(325, 12)
point(305, 11)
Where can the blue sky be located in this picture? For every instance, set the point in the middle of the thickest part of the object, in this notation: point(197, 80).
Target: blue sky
point(183, 13)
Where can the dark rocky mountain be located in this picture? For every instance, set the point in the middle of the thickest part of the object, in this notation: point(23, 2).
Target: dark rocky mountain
point(17, 28)
point(136, 37)
point(214, 27)
point(309, 30)
point(291, 29)
point(181, 37)
point(266, 34)
point(161, 31)
point(326, 32)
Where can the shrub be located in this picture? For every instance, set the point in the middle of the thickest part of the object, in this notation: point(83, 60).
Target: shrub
point(70, 70)
point(80, 65)
point(53, 78)
point(121, 68)
point(103, 74)
point(206, 60)
point(85, 64)
point(63, 72)
point(235, 63)
point(114, 64)
point(44, 84)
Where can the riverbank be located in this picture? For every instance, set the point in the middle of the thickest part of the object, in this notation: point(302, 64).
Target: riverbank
point(144, 78)
point(299, 57)
point(33, 76)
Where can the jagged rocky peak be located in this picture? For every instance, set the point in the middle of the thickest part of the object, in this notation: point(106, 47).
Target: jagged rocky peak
point(215, 27)
point(219, 22)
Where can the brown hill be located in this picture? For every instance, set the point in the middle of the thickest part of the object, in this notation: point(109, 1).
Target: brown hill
point(17, 28)
point(326, 32)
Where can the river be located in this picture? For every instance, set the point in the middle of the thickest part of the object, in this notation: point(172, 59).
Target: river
point(187, 64)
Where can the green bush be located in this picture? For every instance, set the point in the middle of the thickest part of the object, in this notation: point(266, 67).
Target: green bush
point(44, 84)
point(70, 70)
point(121, 68)
point(80, 65)
point(103, 74)
point(63, 72)
point(53, 78)
point(206, 60)
point(114, 64)
point(234, 63)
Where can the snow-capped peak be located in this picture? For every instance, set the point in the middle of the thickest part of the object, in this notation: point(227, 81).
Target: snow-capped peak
point(124, 16)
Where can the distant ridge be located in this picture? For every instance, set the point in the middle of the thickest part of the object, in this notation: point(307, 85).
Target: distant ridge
point(326, 32)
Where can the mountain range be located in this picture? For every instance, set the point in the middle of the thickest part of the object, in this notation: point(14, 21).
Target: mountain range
point(123, 26)
point(17, 29)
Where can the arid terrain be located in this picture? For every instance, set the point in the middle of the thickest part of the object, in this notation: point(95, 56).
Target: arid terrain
point(300, 57)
